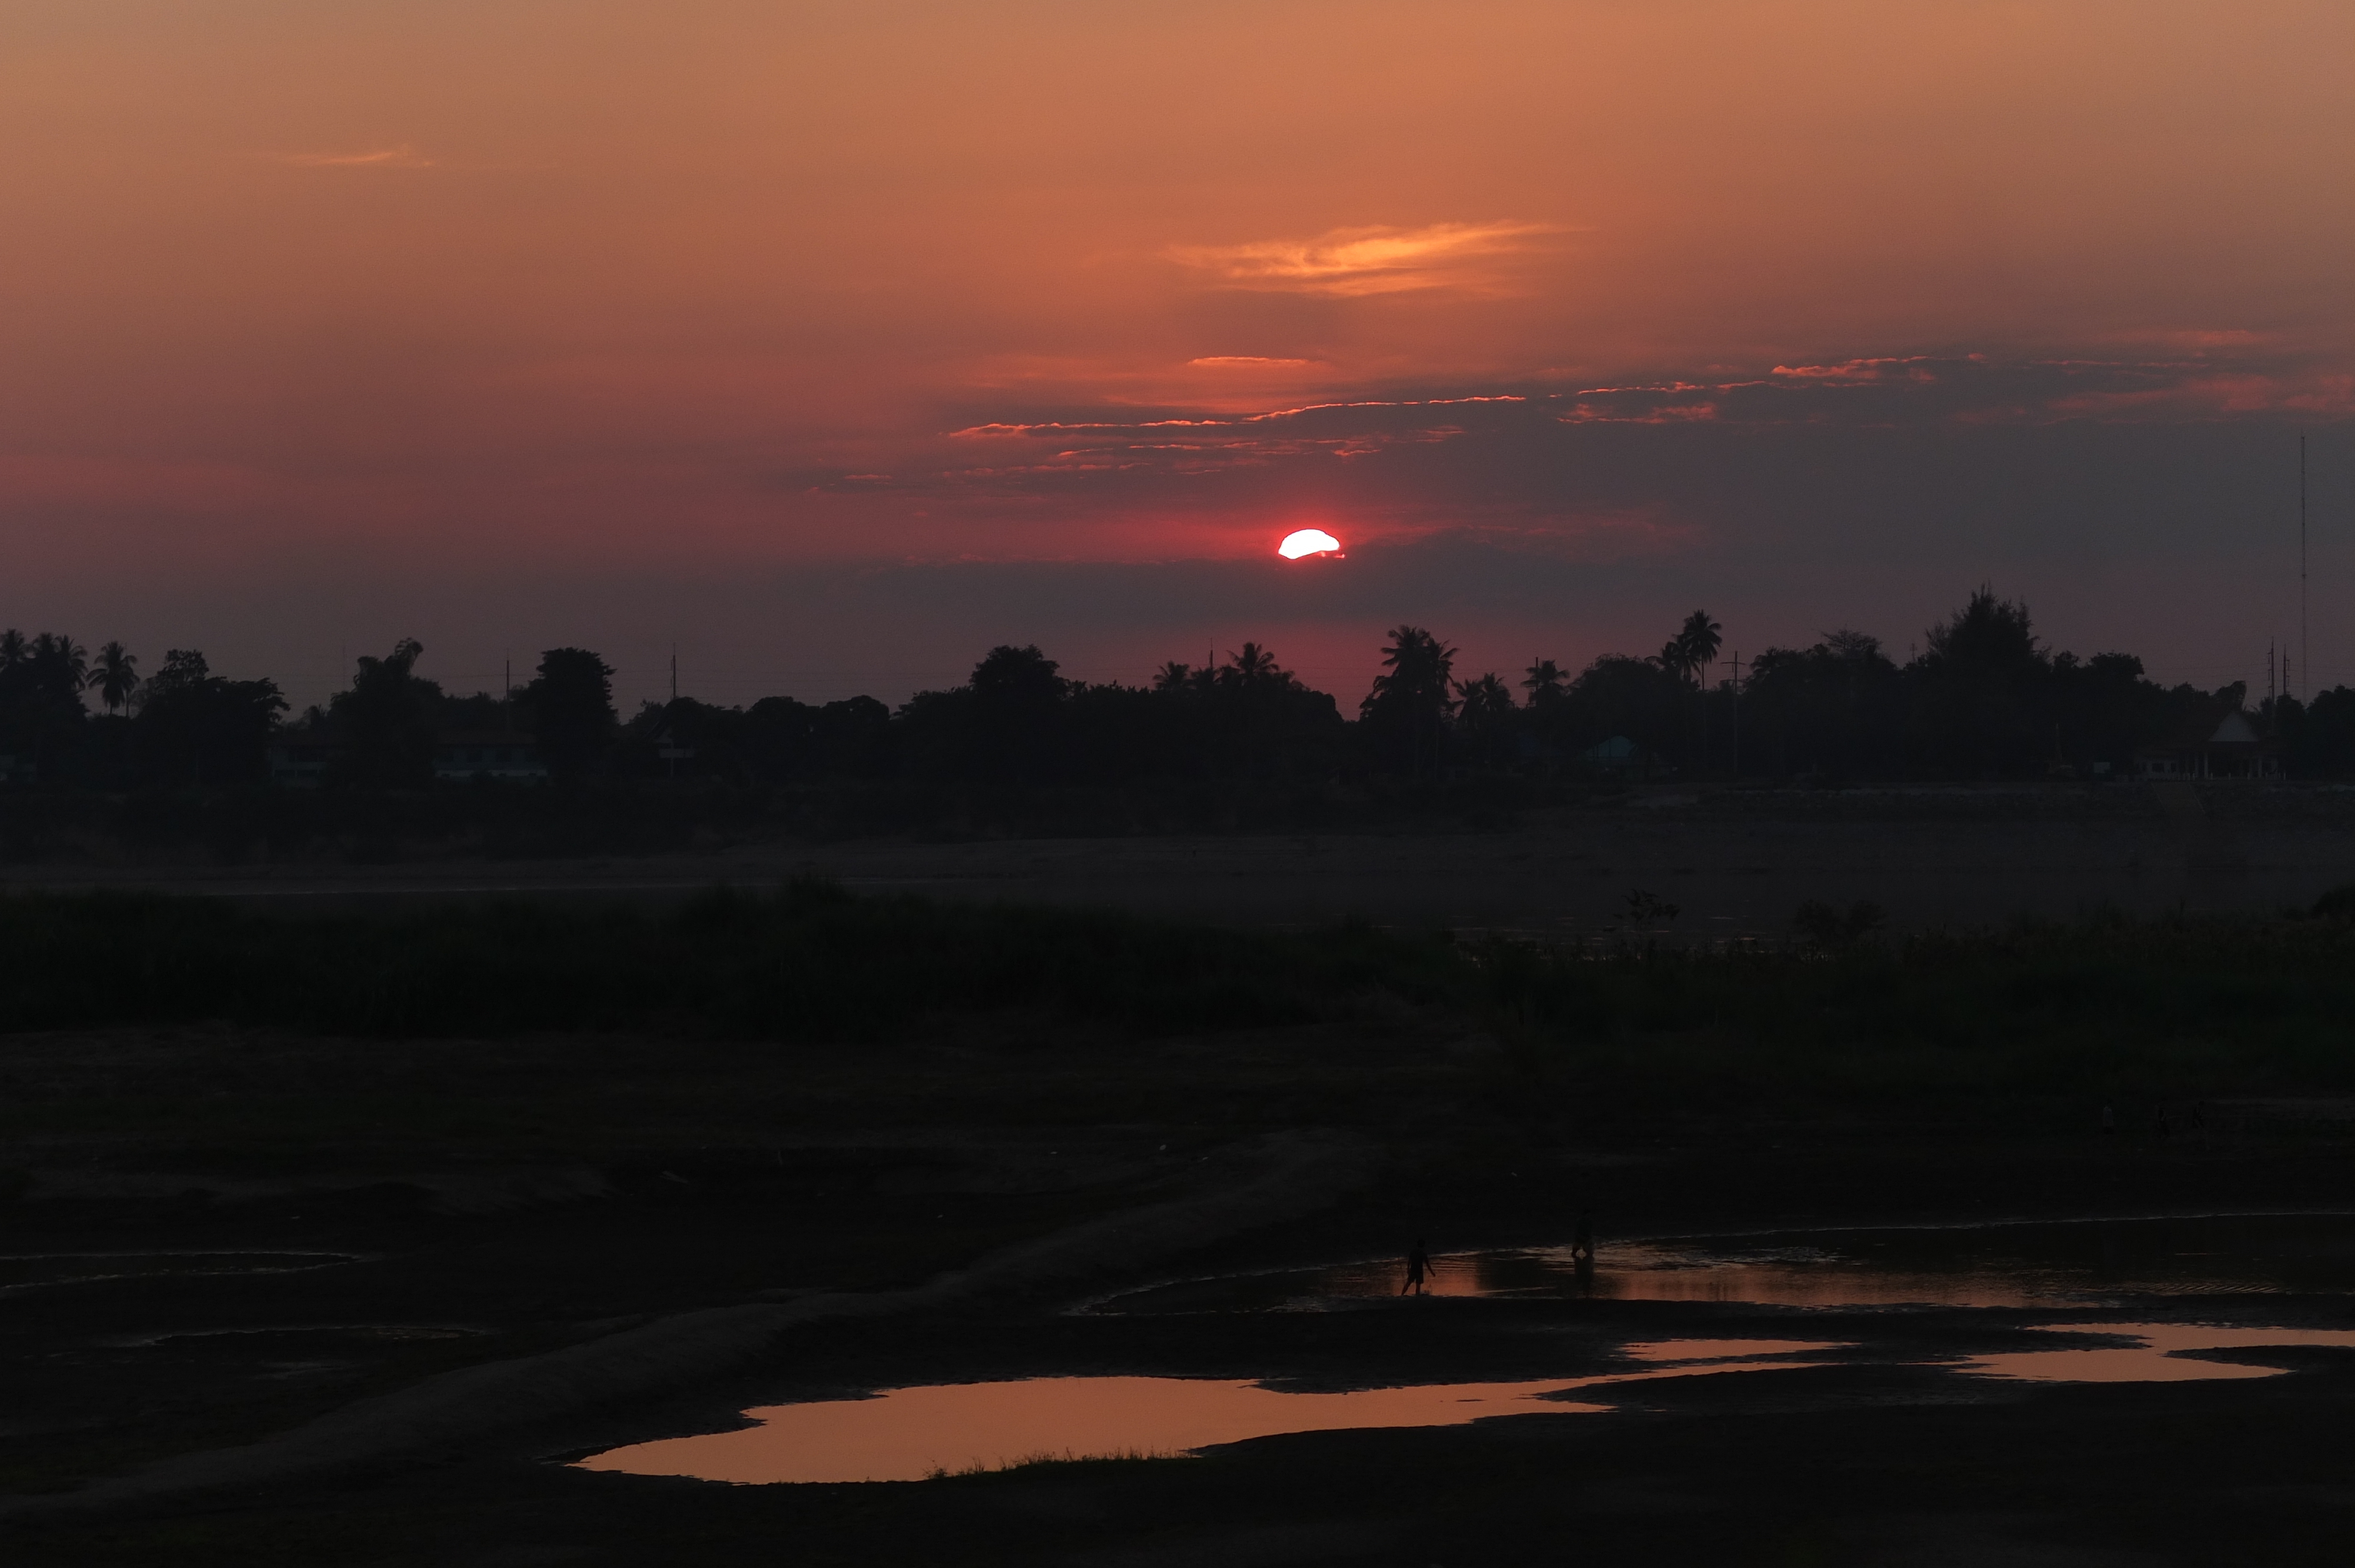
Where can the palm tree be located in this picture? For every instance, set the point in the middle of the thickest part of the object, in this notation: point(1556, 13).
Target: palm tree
point(1486, 714)
point(1417, 679)
point(1411, 698)
point(1545, 682)
point(116, 677)
point(12, 648)
point(1688, 654)
point(1699, 636)
point(1486, 700)
point(1253, 665)
point(68, 661)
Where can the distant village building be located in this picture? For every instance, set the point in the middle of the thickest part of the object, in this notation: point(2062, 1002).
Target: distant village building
point(2211, 748)
point(1616, 755)
point(489, 753)
point(299, 761)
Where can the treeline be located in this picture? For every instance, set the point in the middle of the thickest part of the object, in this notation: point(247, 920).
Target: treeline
point(1984, 700)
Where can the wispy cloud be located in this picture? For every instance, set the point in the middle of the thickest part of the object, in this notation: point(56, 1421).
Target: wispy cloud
point(403, 156)
point(1249, 362)
point(1375, 260)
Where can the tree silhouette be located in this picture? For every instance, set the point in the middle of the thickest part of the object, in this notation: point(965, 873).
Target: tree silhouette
point(1415, 680)
point(386, 721)
point(1981, 690)
point(1688, 654)
point(195, 727)
point(1253, 666)
point(65, 662)
point(12, 648)
point(570, 704)
point(1486, 702)
point(1547, 682)
point(116, 677)
point(1486, 717)
point(1411, 703)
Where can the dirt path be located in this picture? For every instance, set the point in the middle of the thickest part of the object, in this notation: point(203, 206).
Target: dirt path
point(1282, 1177)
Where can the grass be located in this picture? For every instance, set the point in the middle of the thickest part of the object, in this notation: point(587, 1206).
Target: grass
point(2170, 1008)
point(808, 964)
point(2103, 1007)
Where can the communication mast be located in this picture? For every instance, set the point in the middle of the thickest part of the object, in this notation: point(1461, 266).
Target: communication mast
point(2304, 669)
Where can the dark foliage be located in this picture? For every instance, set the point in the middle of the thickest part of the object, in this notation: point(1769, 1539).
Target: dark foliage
point(195, 729)
point(385, 723)
point(569, 705)
point(809, 962)
point(1020, 747)
point(40, 694)
point(2042, 1012)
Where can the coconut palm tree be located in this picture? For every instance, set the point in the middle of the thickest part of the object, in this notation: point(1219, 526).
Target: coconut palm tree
point(1416, 681)
point(13, 648)
point(1688, 654)
point(116, 677)
point(1253, 665)
point(66, 661)
point(1412, 698)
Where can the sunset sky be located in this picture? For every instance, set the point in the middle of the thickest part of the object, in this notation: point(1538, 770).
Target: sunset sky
point(834, 343)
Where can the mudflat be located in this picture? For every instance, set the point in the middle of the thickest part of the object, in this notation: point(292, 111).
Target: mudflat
point(219, 1236)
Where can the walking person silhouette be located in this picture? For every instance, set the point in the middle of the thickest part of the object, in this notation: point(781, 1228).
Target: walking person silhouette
point(1418, 1265)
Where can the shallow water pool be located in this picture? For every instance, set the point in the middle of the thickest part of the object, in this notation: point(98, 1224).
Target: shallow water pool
point(2018, 1263)
point(910, 1434)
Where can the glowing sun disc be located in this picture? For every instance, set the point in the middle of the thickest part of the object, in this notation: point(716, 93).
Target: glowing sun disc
point(1306, 542)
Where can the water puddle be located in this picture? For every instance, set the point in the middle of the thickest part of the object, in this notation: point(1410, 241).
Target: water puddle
point(43, 1270)
point(2164, 1353)
point(2040, 1263)
point(911, 1434)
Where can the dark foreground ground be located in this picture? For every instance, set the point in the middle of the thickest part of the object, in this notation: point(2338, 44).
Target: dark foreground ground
point(486, 1239)
point(213, 1234)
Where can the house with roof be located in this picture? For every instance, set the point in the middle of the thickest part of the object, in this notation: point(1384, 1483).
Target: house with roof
point(2211, 746)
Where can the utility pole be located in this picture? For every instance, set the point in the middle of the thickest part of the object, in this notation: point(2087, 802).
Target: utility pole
point(673, 672)
point(2304, 668)
point(1734, 708)
point(507, 687)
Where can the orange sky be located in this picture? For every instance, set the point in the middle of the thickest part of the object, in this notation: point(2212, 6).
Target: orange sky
point(448, 292)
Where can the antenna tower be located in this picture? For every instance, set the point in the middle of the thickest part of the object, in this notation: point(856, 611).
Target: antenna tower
point(2304, 669)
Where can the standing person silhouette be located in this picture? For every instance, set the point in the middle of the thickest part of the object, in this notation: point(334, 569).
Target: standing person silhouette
point(1418, 1263)
point(1582, 1238)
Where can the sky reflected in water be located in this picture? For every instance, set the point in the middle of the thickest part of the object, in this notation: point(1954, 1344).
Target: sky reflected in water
point(910, 1434)
point(2017, 1265)
point(2165, 1353)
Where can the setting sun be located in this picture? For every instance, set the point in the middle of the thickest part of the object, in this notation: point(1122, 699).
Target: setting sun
point(1307, 542)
